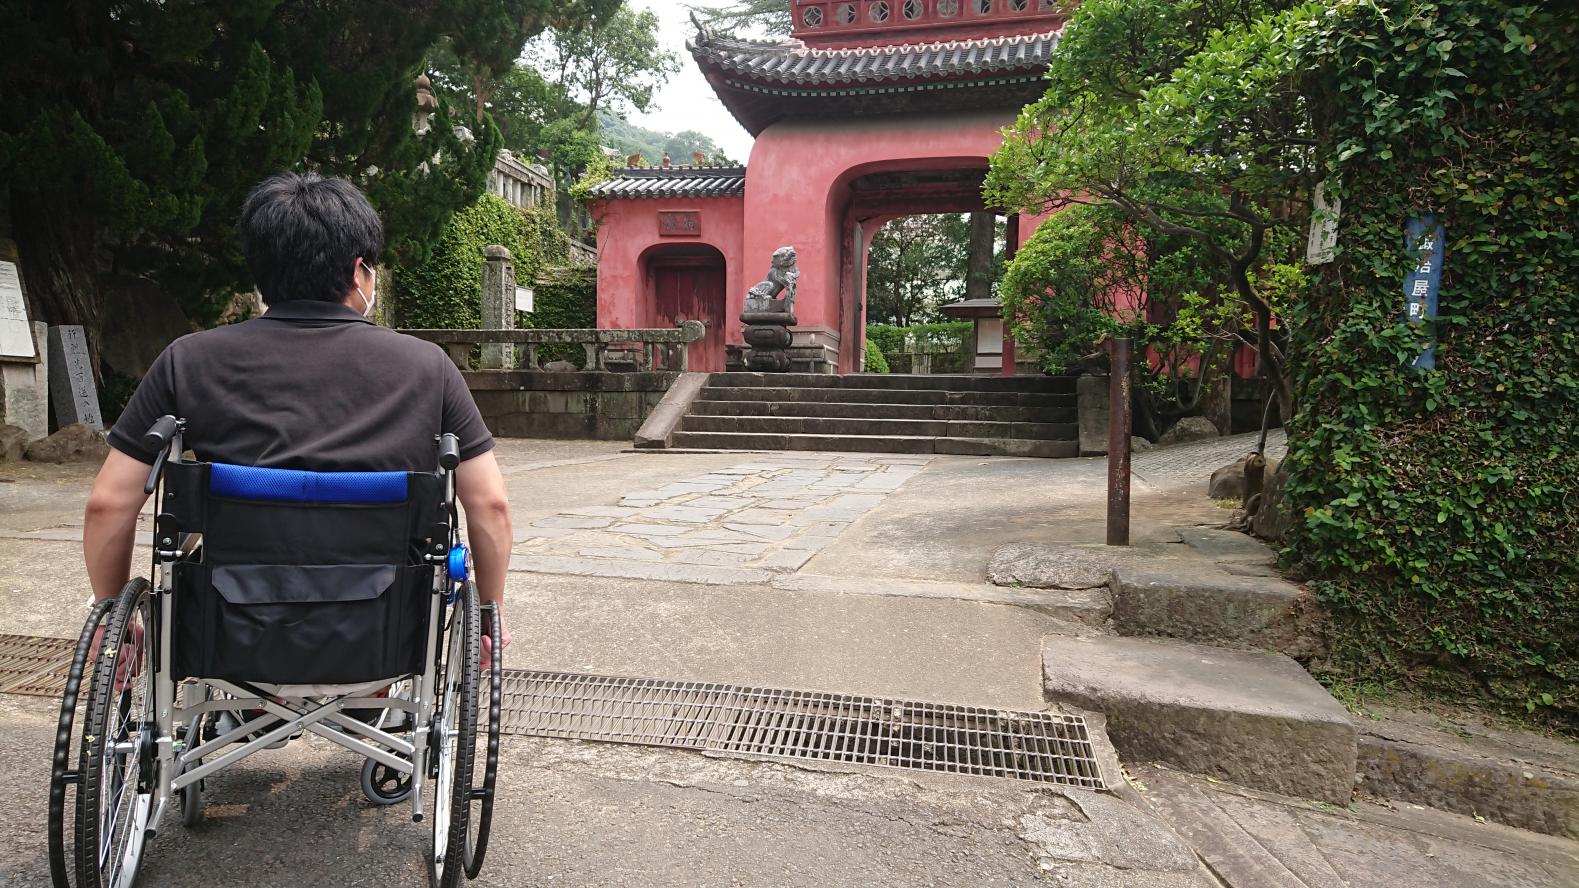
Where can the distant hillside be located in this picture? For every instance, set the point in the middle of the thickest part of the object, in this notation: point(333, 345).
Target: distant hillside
point(627, 138)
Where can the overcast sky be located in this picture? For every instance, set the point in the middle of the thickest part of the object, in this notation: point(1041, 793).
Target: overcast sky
point(686, 102)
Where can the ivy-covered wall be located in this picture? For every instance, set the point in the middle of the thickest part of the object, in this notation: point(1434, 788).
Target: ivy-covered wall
point(1437, 511)
point(444, 291)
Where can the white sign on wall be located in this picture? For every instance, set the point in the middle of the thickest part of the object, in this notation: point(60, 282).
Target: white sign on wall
point(523, 298)
point(16, 335)
point(1322, 245)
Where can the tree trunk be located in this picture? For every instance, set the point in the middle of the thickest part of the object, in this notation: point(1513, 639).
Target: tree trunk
point(978, 263)
point(59, 264)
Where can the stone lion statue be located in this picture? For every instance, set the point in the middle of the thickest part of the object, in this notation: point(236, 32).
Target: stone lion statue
point(781, 279)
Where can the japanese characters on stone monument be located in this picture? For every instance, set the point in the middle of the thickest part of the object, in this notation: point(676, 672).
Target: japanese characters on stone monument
point(24, 368)
point(16, 336)
point(71, 386)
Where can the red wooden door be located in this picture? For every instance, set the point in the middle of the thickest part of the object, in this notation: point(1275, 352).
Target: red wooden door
point(693, 291)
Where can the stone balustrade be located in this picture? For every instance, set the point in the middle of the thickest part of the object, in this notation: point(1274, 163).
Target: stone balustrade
point(641, 350)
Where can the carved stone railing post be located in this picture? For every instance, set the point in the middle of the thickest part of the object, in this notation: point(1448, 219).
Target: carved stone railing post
point(461, 354)
point(531, 358)
point(498, 306)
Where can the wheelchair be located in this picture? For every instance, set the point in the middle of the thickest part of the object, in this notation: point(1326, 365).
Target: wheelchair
point(286, 601)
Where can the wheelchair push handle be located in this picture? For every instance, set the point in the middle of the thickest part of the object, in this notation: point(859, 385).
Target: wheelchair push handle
point(158, 438)
point(449, 451)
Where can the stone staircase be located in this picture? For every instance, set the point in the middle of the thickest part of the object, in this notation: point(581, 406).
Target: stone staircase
point(878, 413)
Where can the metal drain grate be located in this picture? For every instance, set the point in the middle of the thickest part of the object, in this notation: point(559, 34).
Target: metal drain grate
point(34, 666)
point(1046, 747)
point(1041, 746)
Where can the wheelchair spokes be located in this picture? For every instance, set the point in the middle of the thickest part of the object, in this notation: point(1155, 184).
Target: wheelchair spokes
point(119, 770)
point(453, 741)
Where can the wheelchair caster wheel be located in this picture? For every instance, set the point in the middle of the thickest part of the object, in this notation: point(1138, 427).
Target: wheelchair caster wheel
point(384, 785)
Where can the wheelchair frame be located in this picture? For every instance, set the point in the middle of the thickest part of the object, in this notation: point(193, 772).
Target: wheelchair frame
point(168, 750)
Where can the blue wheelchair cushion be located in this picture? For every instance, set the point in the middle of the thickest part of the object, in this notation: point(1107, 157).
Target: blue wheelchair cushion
point(297, 486)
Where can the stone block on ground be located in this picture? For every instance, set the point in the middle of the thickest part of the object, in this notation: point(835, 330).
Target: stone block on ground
point(1456, 762)
point(1208, 606)
point(1253, 718)
point(70, 444)
point(13, 443)
point(1226, 545)
point(1228, 482)
point(1091, 394)
point(1274, 516)
point(1190, 428)
point(1137, 444)
point(1052, 566)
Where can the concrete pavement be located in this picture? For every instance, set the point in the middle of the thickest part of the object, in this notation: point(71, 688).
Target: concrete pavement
point(894, 602)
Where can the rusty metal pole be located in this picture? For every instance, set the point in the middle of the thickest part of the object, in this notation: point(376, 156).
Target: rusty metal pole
point(1118, 442)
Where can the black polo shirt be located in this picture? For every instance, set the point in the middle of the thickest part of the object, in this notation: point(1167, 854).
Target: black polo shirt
point(309, 385)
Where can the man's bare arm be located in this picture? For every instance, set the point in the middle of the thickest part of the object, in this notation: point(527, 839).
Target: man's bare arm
point(109, 527)
point(480, 487)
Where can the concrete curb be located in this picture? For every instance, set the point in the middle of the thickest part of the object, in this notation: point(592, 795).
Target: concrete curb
point(1515, 793)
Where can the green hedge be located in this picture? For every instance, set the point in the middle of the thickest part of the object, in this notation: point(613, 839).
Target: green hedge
point(1436, 511)
point(949, 339)
point(875, 362)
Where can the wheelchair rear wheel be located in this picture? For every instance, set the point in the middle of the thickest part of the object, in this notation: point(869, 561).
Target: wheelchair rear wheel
point(118, 765)
point(453, 741)
point(477, 834)
point(68, 736)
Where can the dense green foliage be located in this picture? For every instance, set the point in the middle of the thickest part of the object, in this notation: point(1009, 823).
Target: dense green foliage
point(552, 100)
point(131, 131)
point(444, 290)
point(1439, 516)
point(756, 16)
point(875, 362)
point(948, 342)
point(915, 264)
point(1186, 118)
point(1090, 272)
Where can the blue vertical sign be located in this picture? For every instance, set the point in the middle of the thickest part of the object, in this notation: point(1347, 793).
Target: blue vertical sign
point(1423, 237)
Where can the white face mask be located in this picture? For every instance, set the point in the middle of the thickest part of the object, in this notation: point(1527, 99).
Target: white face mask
point(368, 303)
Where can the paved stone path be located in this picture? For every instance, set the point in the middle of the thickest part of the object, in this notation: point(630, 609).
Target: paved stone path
point(1195, 461)
point(758, 518)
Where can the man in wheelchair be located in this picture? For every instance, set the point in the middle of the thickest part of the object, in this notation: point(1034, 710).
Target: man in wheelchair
point(308, 567)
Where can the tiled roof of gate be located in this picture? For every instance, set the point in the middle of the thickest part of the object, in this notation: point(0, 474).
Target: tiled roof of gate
point(674, 181)
point(791, 61)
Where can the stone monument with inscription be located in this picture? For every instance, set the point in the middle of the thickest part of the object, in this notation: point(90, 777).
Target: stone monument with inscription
point(71, 386)
point(770, 313)
point(24, 389)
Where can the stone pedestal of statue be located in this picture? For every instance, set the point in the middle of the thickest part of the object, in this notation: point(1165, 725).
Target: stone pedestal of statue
point(767, 331)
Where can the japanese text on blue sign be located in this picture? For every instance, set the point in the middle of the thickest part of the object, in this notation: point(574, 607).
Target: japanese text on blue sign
point(1424, 240)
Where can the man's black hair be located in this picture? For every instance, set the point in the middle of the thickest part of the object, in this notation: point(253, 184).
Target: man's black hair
point(302, 234)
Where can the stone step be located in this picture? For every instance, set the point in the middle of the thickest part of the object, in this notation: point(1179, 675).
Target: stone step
point(1251, 717)
point(1215, 608)
point(888, 396)
point(876, 444)
point(937, 428)
point(899, 381)
point(840, 410)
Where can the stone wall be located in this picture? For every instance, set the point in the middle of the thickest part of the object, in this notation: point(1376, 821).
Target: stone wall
point(541, 404)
